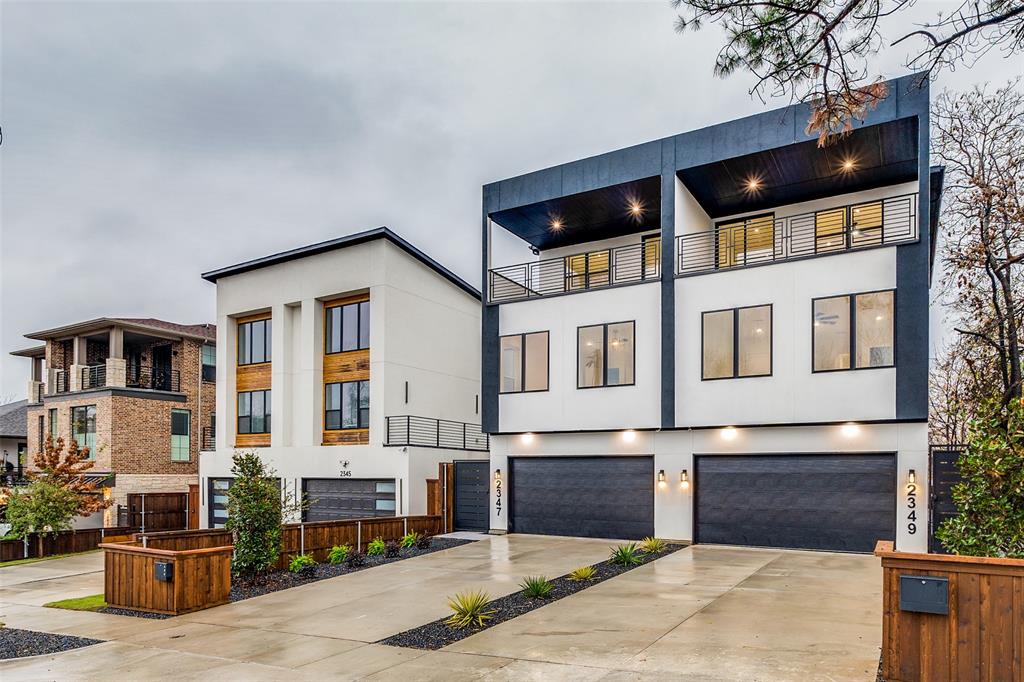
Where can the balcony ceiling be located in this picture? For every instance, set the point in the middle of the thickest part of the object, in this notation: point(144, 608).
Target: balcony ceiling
point(882, 155)
point(588, 216)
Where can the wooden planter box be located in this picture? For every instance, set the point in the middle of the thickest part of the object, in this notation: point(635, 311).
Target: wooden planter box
point(201, 578)
point(982, 636)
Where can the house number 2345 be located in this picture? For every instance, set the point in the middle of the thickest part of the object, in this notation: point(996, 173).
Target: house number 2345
point(912, 508)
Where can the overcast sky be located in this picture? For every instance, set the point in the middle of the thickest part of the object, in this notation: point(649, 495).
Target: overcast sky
point(146, 143)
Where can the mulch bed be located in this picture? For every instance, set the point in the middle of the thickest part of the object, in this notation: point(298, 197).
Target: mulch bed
point(17, 643)
point(438, 634)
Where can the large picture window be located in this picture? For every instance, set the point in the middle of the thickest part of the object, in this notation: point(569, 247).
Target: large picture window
point(347, 327)
point(254, 412)
point(854, 331)
point(737, 343)
point(524, 362)
point(347, 405)
point(181, 435)
point(254, 342)
point(83, 428)
point(605, 355)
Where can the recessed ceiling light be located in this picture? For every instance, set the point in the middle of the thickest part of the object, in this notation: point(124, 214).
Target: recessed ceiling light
point(753, 184)
point(849, 164)
point(556, 224)
point(636, 209)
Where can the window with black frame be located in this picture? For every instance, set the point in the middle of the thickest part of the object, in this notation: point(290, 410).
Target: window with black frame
point(254, 342)
point(854, 331)
point(254, 412)
point(83, 428)
point(347, 405)
point(524, 362)
point(736, 343)
point(605, 355)
point(209, 359)
point(347, 327)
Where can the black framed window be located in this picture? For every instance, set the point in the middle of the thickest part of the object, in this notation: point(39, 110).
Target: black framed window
point(209, 360)
point(524, 362)
point(83, 427)
point(254, 342)
point(347, 405)
point(347, 327)
point(605, 355)
point(854, 331)
point(736, 342)
point(181, 435)
point(54, 425)
point(254, 412)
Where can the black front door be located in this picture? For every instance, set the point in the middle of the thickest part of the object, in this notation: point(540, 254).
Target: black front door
point(944, 475)
point(472, 489)
point(162, 368)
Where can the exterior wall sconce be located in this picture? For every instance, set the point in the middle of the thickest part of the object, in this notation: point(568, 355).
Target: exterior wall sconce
point(684, 479)
point(497, 474)
point(850, 430)
point(661, 476)
point(629, 435)
point(526, 438)
point(729, 433)
point(911, 476)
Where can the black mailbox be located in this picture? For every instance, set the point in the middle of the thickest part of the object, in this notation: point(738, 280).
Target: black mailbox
point(924, 594)
point(164, 571)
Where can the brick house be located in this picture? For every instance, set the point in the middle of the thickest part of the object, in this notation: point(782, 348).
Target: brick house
point(139, 392)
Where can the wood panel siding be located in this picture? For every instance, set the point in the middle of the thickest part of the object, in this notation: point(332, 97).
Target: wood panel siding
point(351, 365)
point(201, 578)
point(347, 437)
point(346, 299)
point(253, 377)
point(982, 637)
point(265, 315)
point(252, 440)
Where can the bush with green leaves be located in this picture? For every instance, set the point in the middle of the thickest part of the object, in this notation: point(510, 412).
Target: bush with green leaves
point(653, 545)
point(469, 608)
point(392, 549)
point(409, 540)
point(256, 510)
point(376, 547)
point(41, 507)
point(302, 563)
point(582, 574)
point(536, 587)
point(355, 559)
point(338, 554)
point(990, 496)
point(424, 541)
point(626, 555)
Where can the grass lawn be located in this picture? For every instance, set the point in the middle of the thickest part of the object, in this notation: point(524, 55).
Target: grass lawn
point(93, 602)
point(17, 562)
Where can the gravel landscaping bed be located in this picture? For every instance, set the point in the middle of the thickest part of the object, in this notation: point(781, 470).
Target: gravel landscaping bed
point(16, 643)
point(438, 634)
point(132, 612)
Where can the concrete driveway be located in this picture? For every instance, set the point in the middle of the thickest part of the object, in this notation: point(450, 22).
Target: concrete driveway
point(705, 613)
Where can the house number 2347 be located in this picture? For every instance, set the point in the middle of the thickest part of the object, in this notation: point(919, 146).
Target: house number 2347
point(912, 508)
point(497, 497)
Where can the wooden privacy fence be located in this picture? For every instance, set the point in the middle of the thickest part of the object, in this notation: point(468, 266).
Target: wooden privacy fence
point(64, 542)
point(980, 638)
point(196, 578)
point(156, 511)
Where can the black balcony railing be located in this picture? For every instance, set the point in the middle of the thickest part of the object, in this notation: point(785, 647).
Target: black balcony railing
point(759, 240)
point(40, 391)
point(93, 376)
point(577, 272)
point(62, 377)
point(208, 439)
point(435, 433)
point(153, 378)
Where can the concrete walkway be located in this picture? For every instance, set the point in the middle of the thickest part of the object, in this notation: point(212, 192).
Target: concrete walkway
point(705, 613)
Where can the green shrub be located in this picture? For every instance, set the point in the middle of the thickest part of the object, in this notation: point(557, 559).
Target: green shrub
point(376, 547)
point(355, 559)
point(536, 586)
point(424, 541)
point(409, 540)
point(626, 555)
point(653, 546)
point(41, 507)
point(301, 563)
point(469, 608)
point(582, 574)
point(391, 549)
point(990, 495)
point(338, 554)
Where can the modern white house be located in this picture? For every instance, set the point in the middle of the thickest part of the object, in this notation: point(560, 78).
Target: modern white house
point(353, 368)
point(720, 336)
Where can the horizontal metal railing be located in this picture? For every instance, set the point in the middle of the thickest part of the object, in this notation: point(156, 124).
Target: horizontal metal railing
point(576, 272)
point(434, 433)
point(93, 376)
point(153, 378)
point(208, 438)
point(62, 380)
point(837, 229)
point(40, 391)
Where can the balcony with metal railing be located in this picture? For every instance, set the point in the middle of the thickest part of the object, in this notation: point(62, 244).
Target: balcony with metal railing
point(428, 432)
point(208, 439)
point(578, 272)
point(759, 240)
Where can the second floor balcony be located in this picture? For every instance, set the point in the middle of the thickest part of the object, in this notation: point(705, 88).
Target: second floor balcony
point(135, 376)
point(428, 432)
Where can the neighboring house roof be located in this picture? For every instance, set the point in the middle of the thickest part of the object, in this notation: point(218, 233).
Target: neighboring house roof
point(340, 243)
point(203, 332)
point(33, 352)
point(13, 420)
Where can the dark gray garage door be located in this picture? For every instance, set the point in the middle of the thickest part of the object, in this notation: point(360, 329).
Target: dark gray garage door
point(348, 498)
point(832, 502)
point(471, 494)
point(597, 497)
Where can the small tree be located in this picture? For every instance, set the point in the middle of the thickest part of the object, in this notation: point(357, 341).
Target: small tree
point(67, 471)
point(256, 509)
point(43, 507)
point(990, 497)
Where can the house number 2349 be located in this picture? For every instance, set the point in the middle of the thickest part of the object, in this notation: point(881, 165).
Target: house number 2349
point(912, 507)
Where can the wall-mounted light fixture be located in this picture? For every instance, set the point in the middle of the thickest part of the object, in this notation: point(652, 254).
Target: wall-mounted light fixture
point(629, 435)
point(497, 474)
point(661, 476)
point(684, 479)
point(911, 476)
point(729, 433)
point(526, 438)
point(850, 429)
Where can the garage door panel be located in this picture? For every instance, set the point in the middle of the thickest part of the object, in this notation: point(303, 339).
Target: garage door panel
point(838, 502)
point(349, 498)
point(583, 496)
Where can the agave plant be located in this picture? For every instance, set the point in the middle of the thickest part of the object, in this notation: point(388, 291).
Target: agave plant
point(583, 574)
point(536, 586)
point(653, 545)
point(626, 555)
point(469, 608)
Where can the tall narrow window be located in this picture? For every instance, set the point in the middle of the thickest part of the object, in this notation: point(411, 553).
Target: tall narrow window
point(737, 342)
point(83, 428)
point(347, 327)
point(42, 439)
point(254, 412)
point(651, 245)
point(347, 405)
point(605, 355)
point(181, 435)
point(854, 331)
point(209, 362)
point(524, 362)
point(54, 425)
point(254, 342)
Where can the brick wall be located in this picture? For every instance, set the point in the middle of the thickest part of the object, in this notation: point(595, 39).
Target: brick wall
point(59, 354)
point(104, 445)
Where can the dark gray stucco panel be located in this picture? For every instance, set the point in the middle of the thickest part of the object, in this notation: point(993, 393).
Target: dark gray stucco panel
point(489, 328)
point(668, 286)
